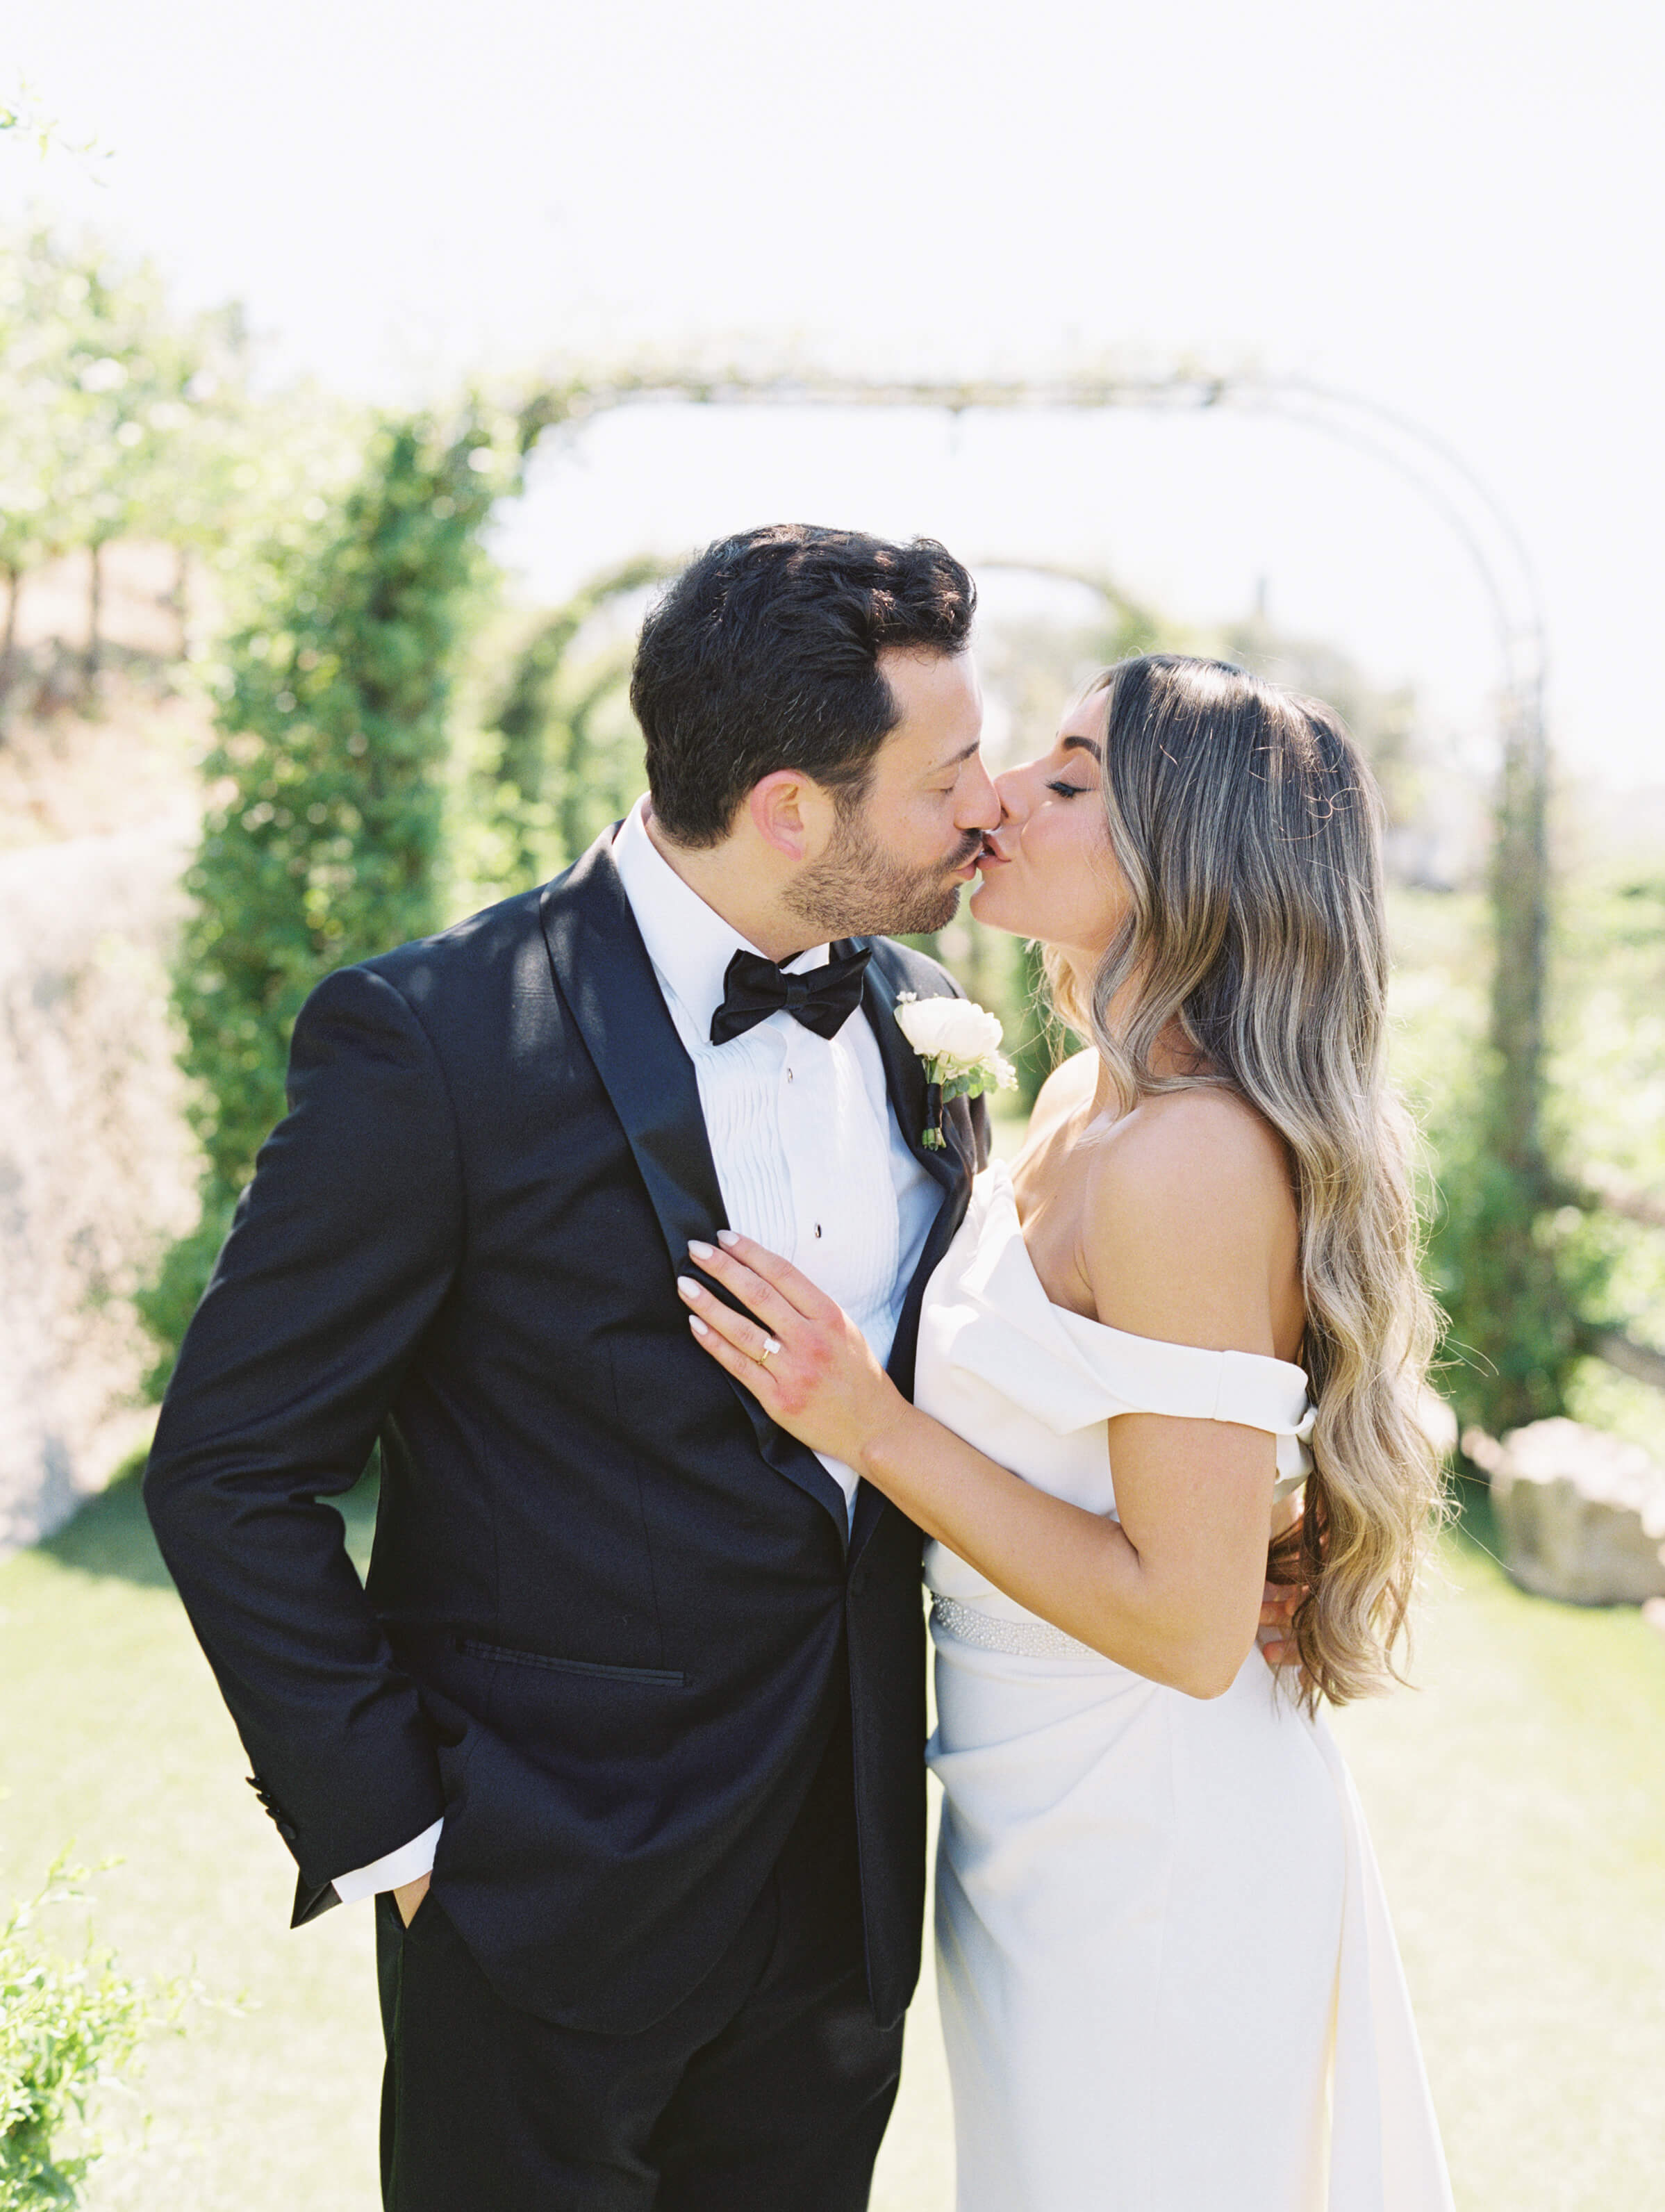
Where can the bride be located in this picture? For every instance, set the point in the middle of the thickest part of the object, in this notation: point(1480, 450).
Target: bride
point(1169, 1981)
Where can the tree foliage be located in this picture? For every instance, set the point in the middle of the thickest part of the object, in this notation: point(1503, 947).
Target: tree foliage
point(121, 417)
point(97, 383)
point(322, 840)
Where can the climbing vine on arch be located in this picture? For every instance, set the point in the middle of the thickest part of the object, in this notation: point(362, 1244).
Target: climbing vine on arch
point(562, 755)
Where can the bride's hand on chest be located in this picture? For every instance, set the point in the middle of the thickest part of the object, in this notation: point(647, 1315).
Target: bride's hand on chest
point(795, 1349)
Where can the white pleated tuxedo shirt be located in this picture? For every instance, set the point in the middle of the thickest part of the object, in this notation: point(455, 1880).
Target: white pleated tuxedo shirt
point(809, 1158)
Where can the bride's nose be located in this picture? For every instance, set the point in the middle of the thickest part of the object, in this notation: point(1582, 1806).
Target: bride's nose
point(1008, 789)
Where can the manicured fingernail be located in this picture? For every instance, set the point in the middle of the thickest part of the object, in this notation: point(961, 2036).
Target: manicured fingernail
point(728, 1236)
point(689, 1288)
point(697, 1325)
point(701, 1251)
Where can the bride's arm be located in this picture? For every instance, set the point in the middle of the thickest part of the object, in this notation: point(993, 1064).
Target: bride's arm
point(1182, 1241)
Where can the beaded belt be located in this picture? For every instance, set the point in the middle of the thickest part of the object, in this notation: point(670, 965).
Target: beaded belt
point(1020, 1639)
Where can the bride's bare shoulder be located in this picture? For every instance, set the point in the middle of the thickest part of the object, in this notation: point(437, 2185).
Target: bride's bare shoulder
point(1182, 1153)
point(1189, 1213)
point(1065, 1090)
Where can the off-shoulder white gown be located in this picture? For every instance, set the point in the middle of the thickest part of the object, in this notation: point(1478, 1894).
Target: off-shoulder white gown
point(1168, 1979)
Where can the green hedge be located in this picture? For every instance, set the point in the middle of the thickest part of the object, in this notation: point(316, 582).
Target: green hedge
point(322, 842)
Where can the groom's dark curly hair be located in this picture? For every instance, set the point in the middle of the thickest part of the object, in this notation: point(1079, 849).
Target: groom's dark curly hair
point(763, 655)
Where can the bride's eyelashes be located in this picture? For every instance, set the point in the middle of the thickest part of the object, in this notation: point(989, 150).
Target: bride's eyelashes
point(1069, 790)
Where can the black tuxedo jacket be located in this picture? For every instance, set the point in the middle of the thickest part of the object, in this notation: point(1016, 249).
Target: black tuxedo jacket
point(612, 1613)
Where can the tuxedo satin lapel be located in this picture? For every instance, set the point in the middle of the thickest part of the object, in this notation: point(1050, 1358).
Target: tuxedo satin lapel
point(953, 1168)
point(608, 981)
point(601, 967)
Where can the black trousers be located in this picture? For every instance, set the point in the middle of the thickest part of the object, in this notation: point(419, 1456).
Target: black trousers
point(767, 2090)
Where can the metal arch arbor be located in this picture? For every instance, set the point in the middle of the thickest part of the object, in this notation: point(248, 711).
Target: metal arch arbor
point(1470, 508)
point(1520, 886)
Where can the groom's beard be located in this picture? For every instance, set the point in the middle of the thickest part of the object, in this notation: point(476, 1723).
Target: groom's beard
point(856, 889)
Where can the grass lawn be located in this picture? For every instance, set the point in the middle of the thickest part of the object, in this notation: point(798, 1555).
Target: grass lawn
point(1517, 1798)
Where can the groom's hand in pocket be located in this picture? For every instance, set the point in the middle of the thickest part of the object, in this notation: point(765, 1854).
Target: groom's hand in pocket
point(409, 1895)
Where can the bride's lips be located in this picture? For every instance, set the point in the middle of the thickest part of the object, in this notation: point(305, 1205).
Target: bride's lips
point(991, 855)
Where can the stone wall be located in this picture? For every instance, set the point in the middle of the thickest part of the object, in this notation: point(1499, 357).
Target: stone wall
point(96, 1166)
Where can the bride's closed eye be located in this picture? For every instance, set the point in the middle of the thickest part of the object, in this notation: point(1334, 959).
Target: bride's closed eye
point(1069, 790)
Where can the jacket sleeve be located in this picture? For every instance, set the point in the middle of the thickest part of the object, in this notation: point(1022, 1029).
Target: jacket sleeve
point(341, 1251)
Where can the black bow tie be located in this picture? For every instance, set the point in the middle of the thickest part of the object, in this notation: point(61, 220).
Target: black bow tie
point(822, 999)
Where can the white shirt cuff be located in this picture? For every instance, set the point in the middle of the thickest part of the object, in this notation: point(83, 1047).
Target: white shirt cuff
point(393, 1870)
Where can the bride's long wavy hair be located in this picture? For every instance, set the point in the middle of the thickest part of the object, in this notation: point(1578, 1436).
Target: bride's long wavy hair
point(1248, 830)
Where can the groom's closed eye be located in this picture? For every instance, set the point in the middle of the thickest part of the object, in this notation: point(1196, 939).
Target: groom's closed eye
point(955, 769)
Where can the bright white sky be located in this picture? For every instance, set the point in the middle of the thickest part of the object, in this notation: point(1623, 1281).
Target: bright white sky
point(1454, 208)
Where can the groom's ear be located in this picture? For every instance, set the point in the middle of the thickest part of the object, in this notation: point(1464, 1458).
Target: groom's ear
point(792, 813)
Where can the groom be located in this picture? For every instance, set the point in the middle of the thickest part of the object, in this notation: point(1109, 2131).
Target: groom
point(636, 1679)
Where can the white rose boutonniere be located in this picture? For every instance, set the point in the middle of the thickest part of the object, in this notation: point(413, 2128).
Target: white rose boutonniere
point(959, 1043)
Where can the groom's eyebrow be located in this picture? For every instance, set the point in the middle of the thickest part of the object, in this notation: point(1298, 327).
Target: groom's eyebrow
point(957, 759)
